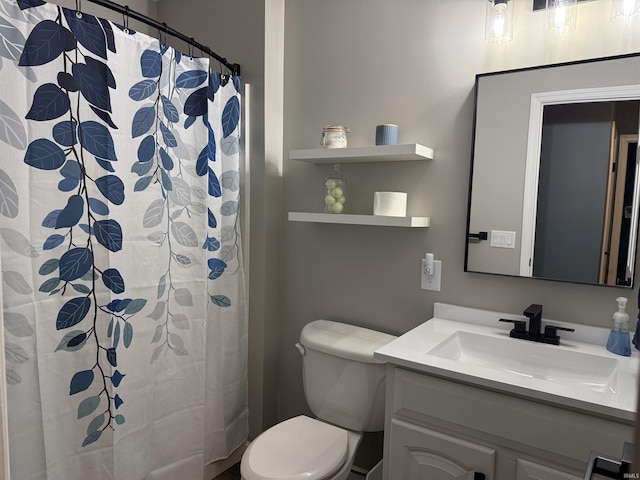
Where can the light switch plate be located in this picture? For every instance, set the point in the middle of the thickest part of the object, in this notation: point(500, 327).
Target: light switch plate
point(503, 239)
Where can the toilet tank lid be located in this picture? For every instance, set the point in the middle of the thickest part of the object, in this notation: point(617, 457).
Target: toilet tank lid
point(343, 340)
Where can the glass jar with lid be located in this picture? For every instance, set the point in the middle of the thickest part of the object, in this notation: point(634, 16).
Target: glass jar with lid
point(334, 136)
point(335, 189)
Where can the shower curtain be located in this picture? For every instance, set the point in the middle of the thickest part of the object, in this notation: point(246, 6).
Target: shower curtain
point(122, 283)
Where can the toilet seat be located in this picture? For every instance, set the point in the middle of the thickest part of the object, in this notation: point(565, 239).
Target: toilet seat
point(296, 449)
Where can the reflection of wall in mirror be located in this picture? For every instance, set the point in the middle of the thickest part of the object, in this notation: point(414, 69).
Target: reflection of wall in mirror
point(498, 169)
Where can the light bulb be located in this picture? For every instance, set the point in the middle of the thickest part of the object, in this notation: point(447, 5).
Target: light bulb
point(628, 6)
point(560, 16)
point(625, 10)
point(498, 26)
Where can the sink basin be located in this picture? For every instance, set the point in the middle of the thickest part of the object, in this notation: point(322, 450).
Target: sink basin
point(529, 359)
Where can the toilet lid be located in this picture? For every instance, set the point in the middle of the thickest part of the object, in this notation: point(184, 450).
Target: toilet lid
point(296, 449)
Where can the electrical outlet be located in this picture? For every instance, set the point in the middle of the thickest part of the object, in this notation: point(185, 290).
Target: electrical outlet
point(431, 282)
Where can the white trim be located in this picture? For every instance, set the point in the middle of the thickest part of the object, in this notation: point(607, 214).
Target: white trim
point(4, 424)
point(631, 253)
point(531, 176)
point(532, 167)
point(246, 188)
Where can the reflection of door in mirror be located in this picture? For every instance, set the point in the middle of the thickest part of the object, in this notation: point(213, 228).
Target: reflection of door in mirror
point(581, 233)
point(619, 233)
point(572, 183)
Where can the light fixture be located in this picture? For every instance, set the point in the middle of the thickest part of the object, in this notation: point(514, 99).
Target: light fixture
point(560, 16)
point(499, 21)
point(625, 10)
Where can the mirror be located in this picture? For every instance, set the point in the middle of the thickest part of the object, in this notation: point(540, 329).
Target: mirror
point(555, 189)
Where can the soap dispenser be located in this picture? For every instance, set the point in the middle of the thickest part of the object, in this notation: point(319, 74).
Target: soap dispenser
point(619, 341)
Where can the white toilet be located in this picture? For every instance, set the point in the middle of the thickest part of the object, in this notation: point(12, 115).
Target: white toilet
point(344, 386)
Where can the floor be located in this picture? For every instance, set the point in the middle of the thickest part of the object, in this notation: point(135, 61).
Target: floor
point(232, 474)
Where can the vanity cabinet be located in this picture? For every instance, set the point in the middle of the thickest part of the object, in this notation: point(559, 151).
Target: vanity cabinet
point(439, 428)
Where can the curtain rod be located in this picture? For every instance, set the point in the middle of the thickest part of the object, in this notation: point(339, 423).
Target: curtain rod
point(162, 27)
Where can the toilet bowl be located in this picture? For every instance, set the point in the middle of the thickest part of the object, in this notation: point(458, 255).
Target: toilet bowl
point(301, 448)
point(344, 386)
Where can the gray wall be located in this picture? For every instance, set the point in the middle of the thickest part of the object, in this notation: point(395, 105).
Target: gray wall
point(145, 7)
point(360, 63)
point(363, 62)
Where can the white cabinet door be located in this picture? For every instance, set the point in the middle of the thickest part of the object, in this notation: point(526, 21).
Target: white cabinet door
point(526, 470)
point(418, 453)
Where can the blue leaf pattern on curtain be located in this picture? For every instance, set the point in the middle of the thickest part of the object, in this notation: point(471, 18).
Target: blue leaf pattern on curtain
point(47, 41)
point(105, 171)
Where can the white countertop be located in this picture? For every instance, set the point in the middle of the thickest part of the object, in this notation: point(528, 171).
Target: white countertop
point(410, 350)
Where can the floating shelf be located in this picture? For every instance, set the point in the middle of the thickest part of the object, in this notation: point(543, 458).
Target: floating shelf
point(348, 219)
point(379, 153)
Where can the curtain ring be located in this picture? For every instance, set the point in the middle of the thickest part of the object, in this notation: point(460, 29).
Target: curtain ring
point(191, 48)
point(125, 19)
point(164, 31)
point(79, 8)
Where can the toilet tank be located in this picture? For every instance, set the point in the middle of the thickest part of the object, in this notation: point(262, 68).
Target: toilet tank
point(343, 383)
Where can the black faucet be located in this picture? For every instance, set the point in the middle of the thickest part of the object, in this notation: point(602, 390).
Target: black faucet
point(534, 313)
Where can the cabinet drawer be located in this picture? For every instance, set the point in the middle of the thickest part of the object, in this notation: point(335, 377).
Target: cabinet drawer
point(527, 470)
point(421, 398)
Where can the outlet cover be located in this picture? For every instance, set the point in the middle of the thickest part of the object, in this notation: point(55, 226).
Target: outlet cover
point(431, 282)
